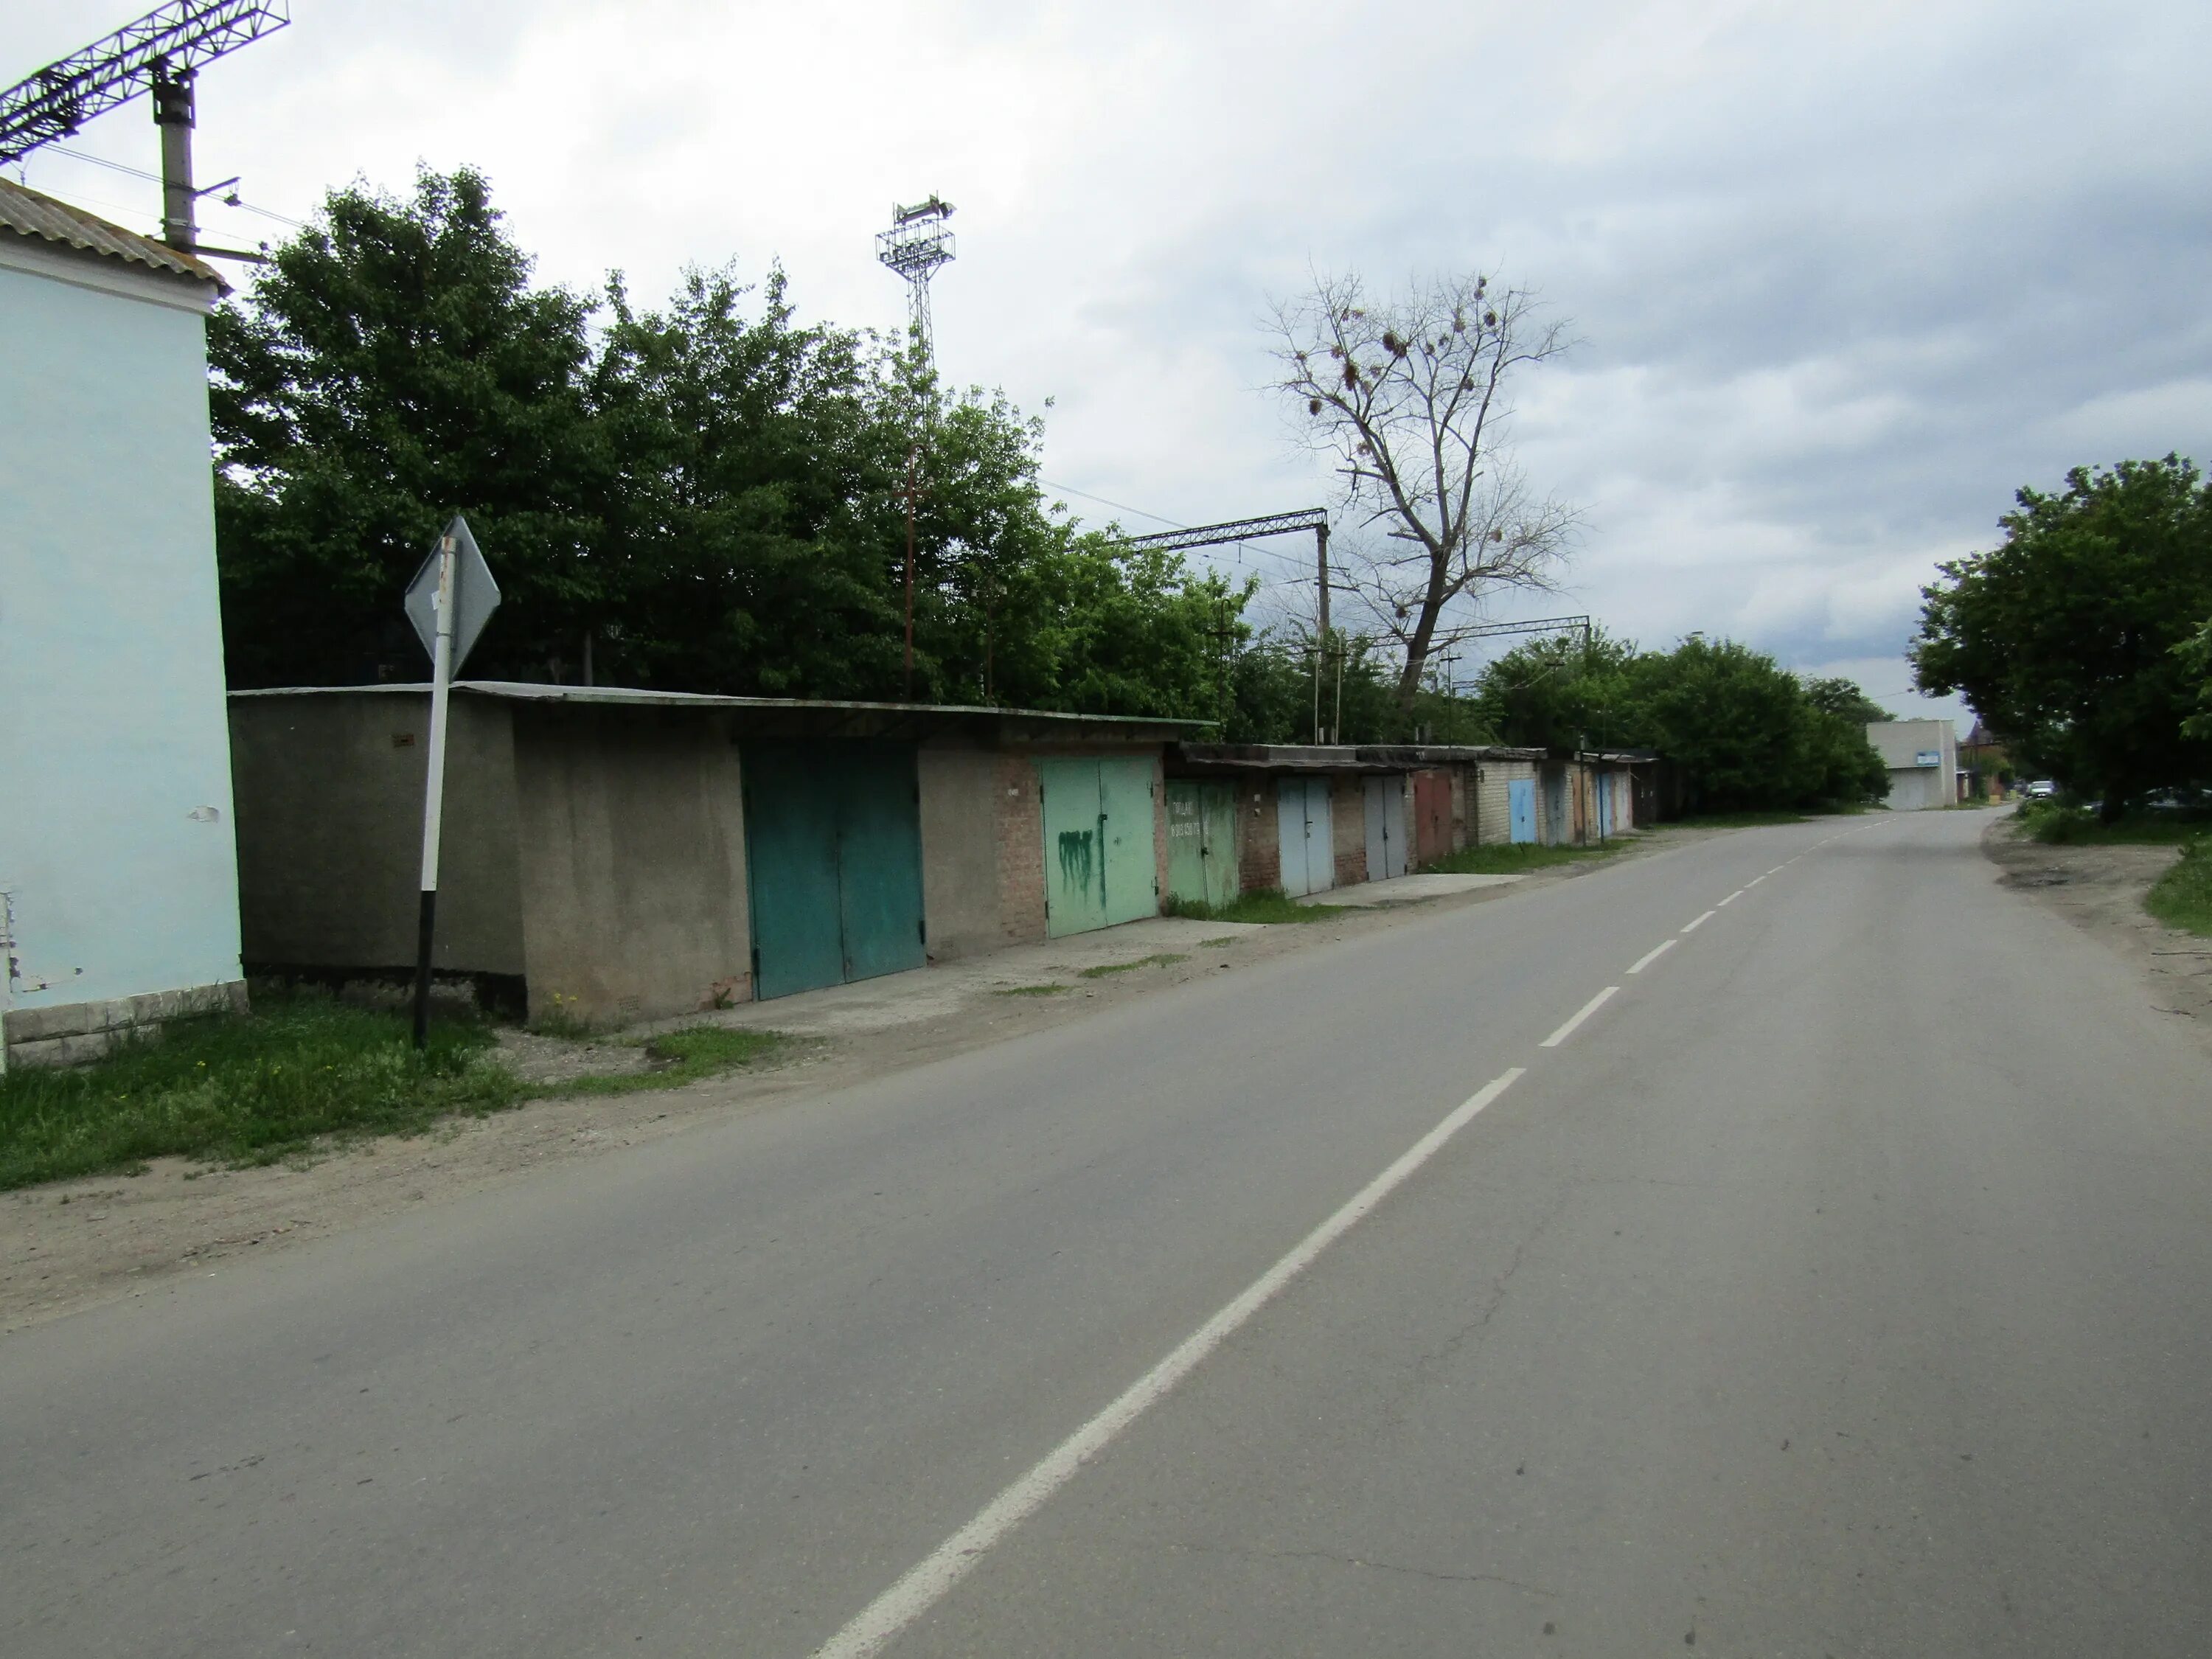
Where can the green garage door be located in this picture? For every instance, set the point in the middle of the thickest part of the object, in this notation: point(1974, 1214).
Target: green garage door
point(833, 864)
point(1202, 842)
point(1099, 866)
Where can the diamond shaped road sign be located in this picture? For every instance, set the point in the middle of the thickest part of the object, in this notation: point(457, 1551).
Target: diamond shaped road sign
point(475, 595)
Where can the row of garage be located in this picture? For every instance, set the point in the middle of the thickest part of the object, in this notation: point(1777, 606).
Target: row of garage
point(1245, 818)
point(618, 854)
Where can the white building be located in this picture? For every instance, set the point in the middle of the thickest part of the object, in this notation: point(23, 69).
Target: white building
point(119, 877)
point(1923, 757)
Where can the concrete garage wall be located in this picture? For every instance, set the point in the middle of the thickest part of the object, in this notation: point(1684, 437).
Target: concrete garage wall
point(631, 824)
point(330, 832)
point(960, 855)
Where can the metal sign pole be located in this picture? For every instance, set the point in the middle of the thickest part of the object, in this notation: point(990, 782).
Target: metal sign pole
point(434, 799)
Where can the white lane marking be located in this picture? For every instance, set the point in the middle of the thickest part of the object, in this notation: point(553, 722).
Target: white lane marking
point(928, 1583)
point(1700, 922)
point(1652, 955)
point(1580, 1015)
point(1729, 900)
point(1753, 883)
point(1776, 871)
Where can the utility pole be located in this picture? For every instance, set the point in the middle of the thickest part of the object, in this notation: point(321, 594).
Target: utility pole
point(172, 113)
point(1320, 568)
point(913, 463)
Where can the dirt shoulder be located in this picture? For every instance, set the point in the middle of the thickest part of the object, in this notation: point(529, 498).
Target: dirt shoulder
point(69, 1245)
point(2100, 890)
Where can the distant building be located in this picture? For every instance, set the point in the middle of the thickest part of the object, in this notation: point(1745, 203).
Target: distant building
point(118, 882)
point(1923, 758)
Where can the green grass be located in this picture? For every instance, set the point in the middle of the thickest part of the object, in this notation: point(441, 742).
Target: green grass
point(2074, 826)
point(1749, 820)
point(1516, 858)
point(1216, 943)
point(247, 1089)
point(1029, 990)
point(678, 1057)
point(2182, 898)
point(1158, 959)
point(1271, 905)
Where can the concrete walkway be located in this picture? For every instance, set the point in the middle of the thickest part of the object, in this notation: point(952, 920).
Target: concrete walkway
point(1404, 890)
point(1057, 966)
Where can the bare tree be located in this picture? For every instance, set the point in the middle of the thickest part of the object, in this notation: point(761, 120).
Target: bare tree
point(1410, 400)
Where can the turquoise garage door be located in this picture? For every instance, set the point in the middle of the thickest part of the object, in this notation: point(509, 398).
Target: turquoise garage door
point(833, 864)
point(1100, 858)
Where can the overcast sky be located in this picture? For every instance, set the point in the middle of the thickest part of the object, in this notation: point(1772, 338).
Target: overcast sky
point(1845, 277)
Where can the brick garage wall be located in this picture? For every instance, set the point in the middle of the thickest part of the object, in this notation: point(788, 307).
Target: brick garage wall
point(1496, 815)
point(1258, 835)
point(1347, 820)
point(1019, 829)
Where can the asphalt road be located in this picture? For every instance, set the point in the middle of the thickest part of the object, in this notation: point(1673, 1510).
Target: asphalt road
point(1840, 1285)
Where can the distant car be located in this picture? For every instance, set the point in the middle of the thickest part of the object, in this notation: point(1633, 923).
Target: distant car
point(2041, 789)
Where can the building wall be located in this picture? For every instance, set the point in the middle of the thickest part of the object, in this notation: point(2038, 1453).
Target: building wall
point(1018, 809)
point(1259, 844)
point(961, 854)
point(1913, 788)
point(1347, 829)
point(330, 833)
point(629, 830)
point(115, 848)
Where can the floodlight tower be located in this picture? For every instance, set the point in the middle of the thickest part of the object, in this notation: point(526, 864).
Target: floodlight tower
point(159, 53)
point(917, 247)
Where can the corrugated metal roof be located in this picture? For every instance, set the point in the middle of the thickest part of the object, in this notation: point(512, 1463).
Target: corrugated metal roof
point(28, 213)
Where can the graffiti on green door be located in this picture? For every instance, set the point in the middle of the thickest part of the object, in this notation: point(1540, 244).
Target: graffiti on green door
point(1076, 860)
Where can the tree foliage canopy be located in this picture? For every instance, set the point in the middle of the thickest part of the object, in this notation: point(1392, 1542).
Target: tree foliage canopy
point(712, 491)
point(1745, 734)
point(2068, 638)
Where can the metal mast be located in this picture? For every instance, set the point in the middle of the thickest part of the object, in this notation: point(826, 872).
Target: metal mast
point(159, 53)
point(917, 247)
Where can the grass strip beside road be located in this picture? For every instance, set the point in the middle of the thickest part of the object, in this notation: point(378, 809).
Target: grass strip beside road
point(2182, 898)
point(1513, 858)
point(1158, 959)
point(2074, 826)
point(247, 1089)
point(678, 1057)
point(1273, 905)
point(302, 1069)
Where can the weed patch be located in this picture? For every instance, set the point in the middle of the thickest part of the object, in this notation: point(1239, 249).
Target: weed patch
point(2182, 898)
point(1158, 959)
point(1270, 905)
point(247, 1089)
point(1514, 859)
point(2075, 826)
point(1216, 943)
point(1029, 990)
point(680, 1057)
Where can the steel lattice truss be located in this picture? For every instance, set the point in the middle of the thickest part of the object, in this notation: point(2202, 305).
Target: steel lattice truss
point(1540, 625)
point(1234, 530)
point(168, 43)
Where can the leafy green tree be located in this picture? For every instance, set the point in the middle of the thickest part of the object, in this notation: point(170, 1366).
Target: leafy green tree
point(716, 496)
point(2066, 638)
point(393, 366)
point(1561, 694)
point(1843, 699)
